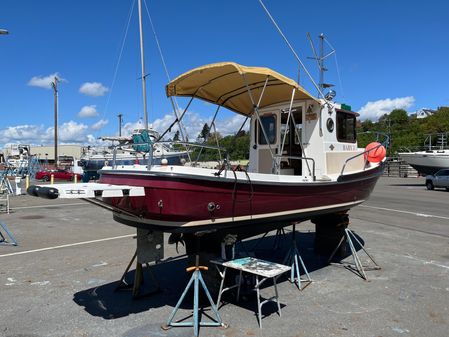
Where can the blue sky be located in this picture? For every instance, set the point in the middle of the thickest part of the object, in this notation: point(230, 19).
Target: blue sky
point(391, 54)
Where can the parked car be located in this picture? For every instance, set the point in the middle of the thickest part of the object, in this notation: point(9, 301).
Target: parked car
point(57, 174)
point(439, 179)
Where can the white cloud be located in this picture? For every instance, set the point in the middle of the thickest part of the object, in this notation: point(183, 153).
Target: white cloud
point(193, 124)
point(69, 132)
point(94, 89)
point(100, 124)
point(45, 81)
point(88, 111)
point(72, 132)
point(129, 127)
point(376, 109)
point(230, 126)
point(21, 133)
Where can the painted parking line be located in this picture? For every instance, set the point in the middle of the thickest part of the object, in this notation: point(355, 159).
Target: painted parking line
point(407, 212)
point(67, 245)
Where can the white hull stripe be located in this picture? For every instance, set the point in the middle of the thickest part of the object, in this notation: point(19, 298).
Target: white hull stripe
point(234, 219)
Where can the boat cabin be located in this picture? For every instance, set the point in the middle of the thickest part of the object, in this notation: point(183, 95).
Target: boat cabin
point(311, 133)
point(292, 132)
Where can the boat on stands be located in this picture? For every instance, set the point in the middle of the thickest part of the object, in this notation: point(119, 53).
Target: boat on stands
point(431, 160)
point(304, 161)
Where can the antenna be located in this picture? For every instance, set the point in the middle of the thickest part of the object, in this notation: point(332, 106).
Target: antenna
point(320, 60)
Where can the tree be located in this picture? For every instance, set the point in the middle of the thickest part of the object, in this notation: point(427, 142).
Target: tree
point(176, 136)
point(205, 132)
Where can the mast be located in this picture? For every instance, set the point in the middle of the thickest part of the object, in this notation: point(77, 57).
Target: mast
point(321, 62)
point(120, 124)
point(142, 61)
point(54, 85)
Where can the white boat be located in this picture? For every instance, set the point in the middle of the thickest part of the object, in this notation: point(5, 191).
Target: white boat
point(431, 160)
point(129, 153)
point(427, 162)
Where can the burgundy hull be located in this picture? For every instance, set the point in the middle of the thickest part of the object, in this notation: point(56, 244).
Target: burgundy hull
point(180, 204)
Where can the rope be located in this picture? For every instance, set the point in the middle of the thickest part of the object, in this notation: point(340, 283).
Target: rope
point(164, 64)
point(234, 191)
point(338, 68)
point(114, 78)
point(291, 48)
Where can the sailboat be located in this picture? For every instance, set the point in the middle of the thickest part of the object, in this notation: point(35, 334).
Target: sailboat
point(134, 148)
point(92, 160)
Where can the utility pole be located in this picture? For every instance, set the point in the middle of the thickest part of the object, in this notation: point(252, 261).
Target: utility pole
point(54, 85)
point(120, 124)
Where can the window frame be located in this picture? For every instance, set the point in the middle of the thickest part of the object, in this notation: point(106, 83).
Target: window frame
point(338, 126)
point(259, 134)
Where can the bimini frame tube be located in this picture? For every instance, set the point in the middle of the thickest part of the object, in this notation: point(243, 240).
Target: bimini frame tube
point(212, 123)
point(281, 149)
point(256, 110)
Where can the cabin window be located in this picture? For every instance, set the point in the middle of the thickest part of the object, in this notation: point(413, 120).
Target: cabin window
point(346, 127)
point(294, 129)
point(269, 125)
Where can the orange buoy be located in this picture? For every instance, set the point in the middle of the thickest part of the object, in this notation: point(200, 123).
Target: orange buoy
point(376, 152)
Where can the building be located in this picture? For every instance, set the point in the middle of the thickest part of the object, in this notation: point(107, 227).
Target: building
point(424, 112)
point(48, 152)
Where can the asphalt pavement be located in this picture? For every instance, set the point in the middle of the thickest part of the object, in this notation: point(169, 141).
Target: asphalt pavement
point(60, 279)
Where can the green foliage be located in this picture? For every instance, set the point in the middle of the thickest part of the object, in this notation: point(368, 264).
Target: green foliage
point(406, 132)
point(205, 132)
point(236, 146)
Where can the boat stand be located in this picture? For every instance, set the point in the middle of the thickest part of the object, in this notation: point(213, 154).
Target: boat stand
point(196, 280)
point(3, 239)
point(138, 280)
point(293, 258)
point(359, 267)
point(280, 233)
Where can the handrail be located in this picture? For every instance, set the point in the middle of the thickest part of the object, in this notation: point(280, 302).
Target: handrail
point(366, 151)
point(150, 151)
point(301, 158)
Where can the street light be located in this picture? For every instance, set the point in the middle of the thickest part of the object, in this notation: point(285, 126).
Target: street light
point(3, 32)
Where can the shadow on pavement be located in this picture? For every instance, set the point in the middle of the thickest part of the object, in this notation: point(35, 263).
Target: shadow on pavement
point(104, 301)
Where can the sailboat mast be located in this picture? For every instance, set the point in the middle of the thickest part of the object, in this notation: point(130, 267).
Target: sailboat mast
point(142, 61)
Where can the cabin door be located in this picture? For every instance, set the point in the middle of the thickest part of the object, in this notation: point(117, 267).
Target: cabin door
point(291, 128)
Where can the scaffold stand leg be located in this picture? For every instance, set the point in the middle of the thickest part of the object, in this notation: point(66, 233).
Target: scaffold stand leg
point(196, 280)
point(3, 240)
point(359, 267)
point(293, 259)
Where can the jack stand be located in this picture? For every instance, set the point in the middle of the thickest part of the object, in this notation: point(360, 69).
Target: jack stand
point(3, 240)
point(291, 259)
point(138, 280)
point(360, 268)
point(277, 239)
point(196, 280)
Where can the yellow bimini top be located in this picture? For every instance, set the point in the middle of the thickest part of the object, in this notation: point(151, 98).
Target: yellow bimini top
point(226, 84)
